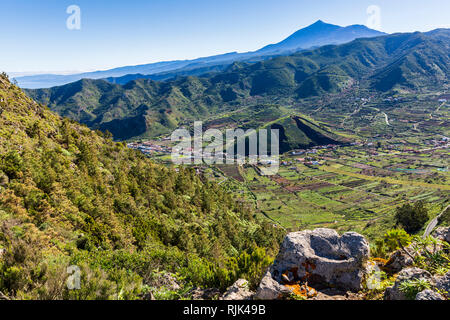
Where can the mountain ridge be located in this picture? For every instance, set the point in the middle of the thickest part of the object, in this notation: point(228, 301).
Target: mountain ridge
point(401, 61)
point(346, 34)
point(319, 34)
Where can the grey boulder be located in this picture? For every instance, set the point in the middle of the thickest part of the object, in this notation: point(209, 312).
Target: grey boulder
point(442, 233)
point(319, 257)
point(269, 289)
point(442, 282)
point(238, 291)
point(429, 295)
point(399, 260)
point(394, 292)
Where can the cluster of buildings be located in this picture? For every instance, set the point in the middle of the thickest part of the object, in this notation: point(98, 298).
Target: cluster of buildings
point(149, 147)
point(313, 150)
point(392, 99)
point(306, 161)
point(309, 161)
point(443, 142)
point(444, 98)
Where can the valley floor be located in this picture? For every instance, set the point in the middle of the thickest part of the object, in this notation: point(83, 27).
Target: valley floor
point(400, 153)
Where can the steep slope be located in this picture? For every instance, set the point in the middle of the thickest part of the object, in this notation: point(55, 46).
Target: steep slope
point(297, 132)
point(424, 60)
point(413, 61)
point(318, 34)
point(69, 196)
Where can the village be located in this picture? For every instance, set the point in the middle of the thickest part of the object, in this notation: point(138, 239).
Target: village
point(314, 156)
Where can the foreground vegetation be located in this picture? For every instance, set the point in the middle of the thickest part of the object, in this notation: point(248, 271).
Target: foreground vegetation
point(71, 196)
point(429, 254)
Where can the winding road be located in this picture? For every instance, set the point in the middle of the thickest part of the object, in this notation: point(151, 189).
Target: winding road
point(440, 106)
point(433, 223)
point(386, 118)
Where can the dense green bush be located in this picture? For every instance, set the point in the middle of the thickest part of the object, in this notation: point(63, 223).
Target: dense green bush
point(392, 240)
point(412, 287)
point(11, 164)
point(412, 217)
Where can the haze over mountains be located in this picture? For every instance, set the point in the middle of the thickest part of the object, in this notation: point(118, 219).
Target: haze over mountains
point(315, 35)
point(146, 108)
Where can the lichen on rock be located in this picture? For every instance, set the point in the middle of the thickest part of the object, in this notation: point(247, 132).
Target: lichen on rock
point(316, 258)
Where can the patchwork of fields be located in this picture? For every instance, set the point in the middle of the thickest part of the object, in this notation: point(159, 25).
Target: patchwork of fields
point(352, 188)
point(399, 152)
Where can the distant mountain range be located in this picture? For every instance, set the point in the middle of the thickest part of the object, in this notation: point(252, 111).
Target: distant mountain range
point(147, 108)
point(315, 35)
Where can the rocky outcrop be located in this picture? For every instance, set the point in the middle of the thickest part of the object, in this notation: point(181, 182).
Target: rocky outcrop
point(442, 283)
point(166, 280)
point(205, 294)
point(394, 292)
point(269, 289)
point(238, 291)
point(398, 261)
point(148, 296)
point(319, 258)
point(160, 281)
point(429, 295)
point(334, 294)
point(3, 296)
point(442, 233)
point(322, 257)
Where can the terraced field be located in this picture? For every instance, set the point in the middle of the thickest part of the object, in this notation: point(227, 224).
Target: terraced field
point(352, 188)
point(355, 186)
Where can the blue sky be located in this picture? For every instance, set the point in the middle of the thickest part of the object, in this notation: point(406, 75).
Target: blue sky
point(116, 33)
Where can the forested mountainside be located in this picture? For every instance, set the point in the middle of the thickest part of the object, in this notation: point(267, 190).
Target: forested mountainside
point(71, 196)
point(411, 61)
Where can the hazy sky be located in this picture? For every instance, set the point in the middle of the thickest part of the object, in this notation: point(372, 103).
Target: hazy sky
point(113, 33)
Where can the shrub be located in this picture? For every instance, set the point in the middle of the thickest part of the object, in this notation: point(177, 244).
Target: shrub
point(396, 239)
point(73, 194)
point(3, 179)
point(379, 249)
point(412, 287)
point(12, 164)
point(432, 254)
point(412, 217)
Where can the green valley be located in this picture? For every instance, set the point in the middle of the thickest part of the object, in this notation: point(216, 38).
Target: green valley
point(88, 181)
